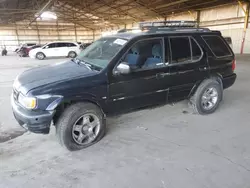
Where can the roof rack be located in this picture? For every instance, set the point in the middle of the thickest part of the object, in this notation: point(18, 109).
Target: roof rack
point(166, 26)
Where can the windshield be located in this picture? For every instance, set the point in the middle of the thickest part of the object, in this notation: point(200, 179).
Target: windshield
point(102, 51)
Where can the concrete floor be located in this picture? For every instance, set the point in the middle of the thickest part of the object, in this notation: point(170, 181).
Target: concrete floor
point(160, 147)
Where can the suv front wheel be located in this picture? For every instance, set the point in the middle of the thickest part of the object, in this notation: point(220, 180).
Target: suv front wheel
point(80, 125)
point(207, 97)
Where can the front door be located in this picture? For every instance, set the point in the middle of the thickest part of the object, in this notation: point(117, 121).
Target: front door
point(50, 50)
point(147, 83)
point(188, 66)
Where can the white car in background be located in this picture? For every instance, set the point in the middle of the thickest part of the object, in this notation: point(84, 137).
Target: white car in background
point(56, 49)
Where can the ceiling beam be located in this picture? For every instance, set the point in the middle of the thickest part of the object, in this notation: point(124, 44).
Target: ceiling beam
point(171, 4)
point(45, 7)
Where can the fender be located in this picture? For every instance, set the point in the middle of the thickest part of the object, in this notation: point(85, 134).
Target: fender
point(218, 77)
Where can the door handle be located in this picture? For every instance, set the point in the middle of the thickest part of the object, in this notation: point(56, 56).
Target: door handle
point(162, 75)
point(202, 68)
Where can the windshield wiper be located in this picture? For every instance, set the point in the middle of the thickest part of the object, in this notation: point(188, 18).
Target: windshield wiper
point(87, 64)
point(81, 62)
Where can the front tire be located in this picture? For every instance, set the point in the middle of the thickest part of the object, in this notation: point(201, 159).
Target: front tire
point(207, 97)
point(80, 126)
point(40, 56)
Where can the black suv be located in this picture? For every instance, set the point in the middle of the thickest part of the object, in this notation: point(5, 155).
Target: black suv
point(123, 72)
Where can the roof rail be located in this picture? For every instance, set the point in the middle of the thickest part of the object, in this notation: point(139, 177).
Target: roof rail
point(166, 26)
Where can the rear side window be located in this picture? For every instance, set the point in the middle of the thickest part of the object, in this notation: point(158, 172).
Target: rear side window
point(196, 50)
point(61, 45)
point(217, 45)
point(180, 48)
point(71, 45)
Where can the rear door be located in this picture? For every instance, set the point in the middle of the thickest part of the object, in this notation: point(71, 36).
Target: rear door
point(188, 66)
point(220, 56)
point(73, 47)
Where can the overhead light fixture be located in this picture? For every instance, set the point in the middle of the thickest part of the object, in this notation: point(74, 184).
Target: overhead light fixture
point(47, 15)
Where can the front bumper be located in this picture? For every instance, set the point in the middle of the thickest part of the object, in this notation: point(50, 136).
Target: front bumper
point(34, 121)
point(229, 81)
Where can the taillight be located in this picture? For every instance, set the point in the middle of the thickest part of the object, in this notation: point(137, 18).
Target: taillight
point(233, 65)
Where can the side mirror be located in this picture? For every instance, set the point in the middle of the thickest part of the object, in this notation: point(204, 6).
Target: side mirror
point(123, 68)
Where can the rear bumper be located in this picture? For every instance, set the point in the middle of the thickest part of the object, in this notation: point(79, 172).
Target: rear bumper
point(34, 121)
point(229, 81)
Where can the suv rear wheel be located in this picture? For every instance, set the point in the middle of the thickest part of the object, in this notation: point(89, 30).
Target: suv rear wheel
point(80, 125)
point(72, 54)
point(207, 97)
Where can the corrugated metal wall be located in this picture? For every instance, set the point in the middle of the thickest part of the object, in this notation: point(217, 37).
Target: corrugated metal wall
point(43, 32)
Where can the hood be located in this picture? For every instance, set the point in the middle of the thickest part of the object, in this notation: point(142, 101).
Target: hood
point(58, 72)
point(35, 50)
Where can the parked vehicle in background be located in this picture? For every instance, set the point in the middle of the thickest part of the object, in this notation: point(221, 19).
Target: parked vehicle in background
point(56, 49)
point(24, 51)
point(84, 45)
point(24, 45)
point(229, 41)
point(123, 72)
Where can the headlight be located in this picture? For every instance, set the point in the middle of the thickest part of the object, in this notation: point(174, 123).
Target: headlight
point(27, 102)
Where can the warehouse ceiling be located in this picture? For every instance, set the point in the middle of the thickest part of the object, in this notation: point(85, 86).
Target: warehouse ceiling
point(96, 14)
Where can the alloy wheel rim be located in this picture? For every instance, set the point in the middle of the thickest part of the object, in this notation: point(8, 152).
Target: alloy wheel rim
point(209, 98)
point(40, 56)
point(86, 129)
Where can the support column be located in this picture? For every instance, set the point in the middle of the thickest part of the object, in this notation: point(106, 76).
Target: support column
point(93, 35)
point(38, 34)
point(246, 13)
point(58, 36)
point(75, 32)
point(17, 36)
point(198, 19)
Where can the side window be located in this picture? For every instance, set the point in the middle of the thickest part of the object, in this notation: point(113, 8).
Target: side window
point(180, 48)
point(62, 44)
point(196, 50)
point(217, 45)
point(52, 45)
point(71, 45)
point(145, 54)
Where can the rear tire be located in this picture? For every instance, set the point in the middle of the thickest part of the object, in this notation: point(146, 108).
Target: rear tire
point(207, 97)
point(72, 54)
point(40, 56)
point(69, 129)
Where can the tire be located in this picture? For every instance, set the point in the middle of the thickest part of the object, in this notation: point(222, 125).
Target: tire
point(40, 56)
point(72, 54)
point(200, 102)
point(68, 119)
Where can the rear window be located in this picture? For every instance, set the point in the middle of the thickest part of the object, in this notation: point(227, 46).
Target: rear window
point(217, 45)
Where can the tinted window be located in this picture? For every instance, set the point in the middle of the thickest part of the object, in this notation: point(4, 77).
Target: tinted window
point(61, 44)
point(52, 45)
point(145, 54)
point(196, 51)
point(217, 45)
point(180, 48)
point(71, 44)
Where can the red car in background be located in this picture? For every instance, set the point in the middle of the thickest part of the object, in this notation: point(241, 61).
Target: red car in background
point(24, 51)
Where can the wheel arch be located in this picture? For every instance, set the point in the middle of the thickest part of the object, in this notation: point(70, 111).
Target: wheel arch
point(216, 76)
point(68, 102)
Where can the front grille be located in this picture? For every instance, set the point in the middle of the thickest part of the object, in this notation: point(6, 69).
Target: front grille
point(15, 94)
